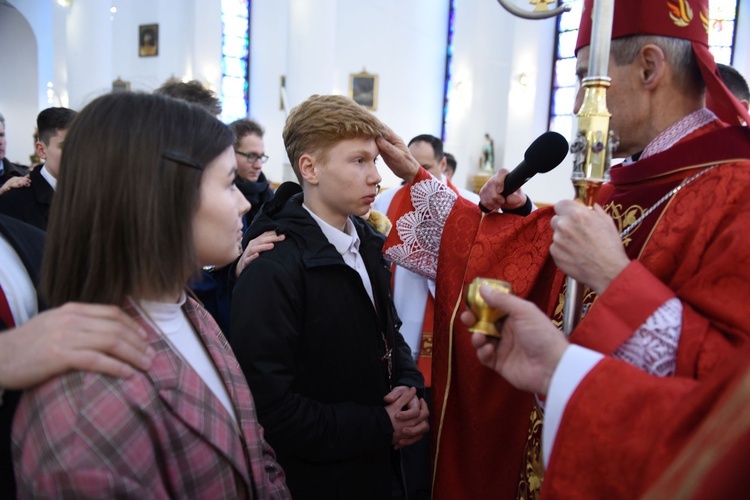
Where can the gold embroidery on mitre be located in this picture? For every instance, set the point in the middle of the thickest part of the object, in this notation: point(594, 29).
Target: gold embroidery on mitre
point(624, 218)
point(532, 475)
point(703, 14)
point(680, 12)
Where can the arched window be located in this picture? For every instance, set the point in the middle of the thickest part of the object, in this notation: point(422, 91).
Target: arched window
point(448, 64)
point(235, 55)
point(722, 13)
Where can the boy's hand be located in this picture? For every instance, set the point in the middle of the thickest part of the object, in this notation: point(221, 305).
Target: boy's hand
point(408, 415)
point(397, 156)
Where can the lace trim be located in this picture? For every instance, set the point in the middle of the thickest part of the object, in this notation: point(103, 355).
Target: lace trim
point(679, 130)
point(420, 231)
point(653, 347)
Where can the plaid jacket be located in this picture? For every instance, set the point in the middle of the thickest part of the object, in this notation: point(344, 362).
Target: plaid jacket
point(159, 434)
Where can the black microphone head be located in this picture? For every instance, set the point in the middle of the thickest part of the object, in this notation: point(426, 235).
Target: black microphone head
point(546, 152)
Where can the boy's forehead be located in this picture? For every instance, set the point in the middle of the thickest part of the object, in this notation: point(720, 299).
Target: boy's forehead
point(360, 143)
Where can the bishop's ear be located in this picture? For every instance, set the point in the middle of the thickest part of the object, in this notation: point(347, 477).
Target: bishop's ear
point(653, 64)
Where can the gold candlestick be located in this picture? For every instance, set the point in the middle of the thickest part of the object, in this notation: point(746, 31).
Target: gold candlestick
point(486, 315)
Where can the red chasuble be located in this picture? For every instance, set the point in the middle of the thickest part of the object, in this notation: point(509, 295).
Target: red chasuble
point(655, 437)
point(695, 245)
point(480, 421)
point(698, 250)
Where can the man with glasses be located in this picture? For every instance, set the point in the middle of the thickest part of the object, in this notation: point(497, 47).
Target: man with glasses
point(250, 151)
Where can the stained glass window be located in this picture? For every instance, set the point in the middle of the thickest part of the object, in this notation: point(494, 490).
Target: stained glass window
point(722, 13)
point(448, 64)
point(235, 55)
point(721, 32)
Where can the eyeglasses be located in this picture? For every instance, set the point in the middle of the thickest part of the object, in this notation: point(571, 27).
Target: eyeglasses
point(252, 157)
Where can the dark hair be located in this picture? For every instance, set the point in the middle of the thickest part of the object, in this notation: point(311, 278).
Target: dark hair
point(121, 220)
point(734, 81)
point(193, 92)
point(437, 144)
point(51, 120)
point(450, 162)
point(244, 127)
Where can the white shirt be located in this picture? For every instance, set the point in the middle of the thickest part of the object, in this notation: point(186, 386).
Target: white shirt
point(48, 177)
point(346, 243)
point(16, 284)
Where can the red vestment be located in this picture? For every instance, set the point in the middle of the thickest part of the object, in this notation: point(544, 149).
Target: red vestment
point(694, 246)
point(699, 251)
point(661, 438)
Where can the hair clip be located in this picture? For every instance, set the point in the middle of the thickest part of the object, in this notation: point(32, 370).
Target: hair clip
point(181, 159)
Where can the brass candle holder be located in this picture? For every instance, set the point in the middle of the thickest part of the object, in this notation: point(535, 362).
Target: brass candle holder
point(486, 315)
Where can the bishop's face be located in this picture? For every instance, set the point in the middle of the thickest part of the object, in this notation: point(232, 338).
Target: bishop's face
point(627, 103)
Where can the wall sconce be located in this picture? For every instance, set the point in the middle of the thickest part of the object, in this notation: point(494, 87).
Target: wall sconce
point(65, 3)
point(50, 93)
point(523, 80)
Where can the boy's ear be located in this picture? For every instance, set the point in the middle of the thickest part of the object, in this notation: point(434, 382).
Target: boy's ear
point(308, 169)
point(41, 150)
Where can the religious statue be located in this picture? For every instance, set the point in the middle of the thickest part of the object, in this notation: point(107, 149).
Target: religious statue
point(488, 155)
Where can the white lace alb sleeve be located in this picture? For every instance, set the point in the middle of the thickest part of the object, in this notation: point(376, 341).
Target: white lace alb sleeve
point(653, 347)
point(421, 231)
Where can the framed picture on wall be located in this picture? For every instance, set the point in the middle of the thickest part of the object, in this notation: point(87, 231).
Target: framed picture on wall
point(148, 40)
point(363, 89)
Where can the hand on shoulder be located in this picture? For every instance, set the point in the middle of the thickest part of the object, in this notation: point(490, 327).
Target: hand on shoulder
point(75, 336)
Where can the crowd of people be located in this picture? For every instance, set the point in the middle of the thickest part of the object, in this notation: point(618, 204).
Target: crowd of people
point(173, 327)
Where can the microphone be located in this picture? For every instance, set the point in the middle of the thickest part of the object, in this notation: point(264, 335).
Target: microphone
point(544, 154)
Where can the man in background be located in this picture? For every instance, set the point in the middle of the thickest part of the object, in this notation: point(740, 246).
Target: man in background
point(251, 155)
point(31, 203)
point(450, 166)
point(193, 92)
point(736, 84)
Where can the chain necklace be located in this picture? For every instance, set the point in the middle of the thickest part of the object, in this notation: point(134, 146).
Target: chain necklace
point(664, 198)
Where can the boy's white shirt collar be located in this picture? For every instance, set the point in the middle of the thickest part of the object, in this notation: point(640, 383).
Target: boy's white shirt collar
point(342, 240)
point(48, 177)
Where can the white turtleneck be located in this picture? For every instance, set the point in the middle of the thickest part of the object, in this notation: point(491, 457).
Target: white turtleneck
point(173, 325)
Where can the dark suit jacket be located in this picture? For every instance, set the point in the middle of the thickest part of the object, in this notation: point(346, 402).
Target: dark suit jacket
point(28, 242)
point(313, 349)
point(12, 170)
point(29, 204)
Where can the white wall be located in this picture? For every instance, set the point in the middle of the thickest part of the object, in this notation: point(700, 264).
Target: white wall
point(316, 44)
point(18, 83)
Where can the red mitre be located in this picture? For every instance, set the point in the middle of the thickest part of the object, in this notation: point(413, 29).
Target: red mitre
point(686, 19)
